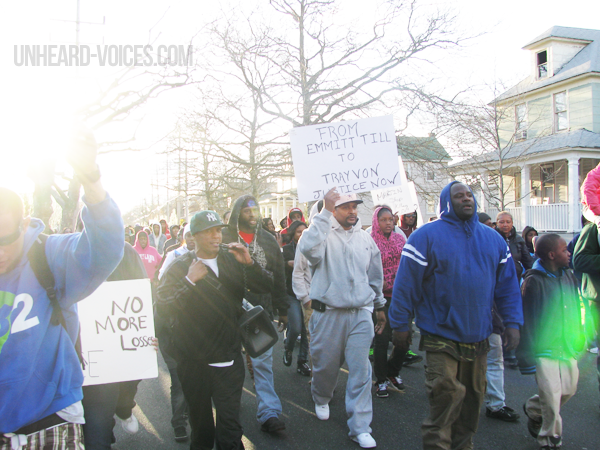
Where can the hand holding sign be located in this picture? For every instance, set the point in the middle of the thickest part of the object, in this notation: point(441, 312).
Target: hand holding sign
point(330, 198)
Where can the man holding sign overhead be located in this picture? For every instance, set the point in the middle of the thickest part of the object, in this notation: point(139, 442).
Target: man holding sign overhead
point(346, 286)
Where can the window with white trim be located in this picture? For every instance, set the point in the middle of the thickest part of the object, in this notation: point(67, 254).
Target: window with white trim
point(561, 114)
point(521, 117)
point(542, 64)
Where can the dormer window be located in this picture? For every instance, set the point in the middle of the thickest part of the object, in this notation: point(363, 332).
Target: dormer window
point(542, 64)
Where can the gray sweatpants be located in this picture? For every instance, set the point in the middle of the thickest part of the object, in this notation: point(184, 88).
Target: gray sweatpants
point(339, 335)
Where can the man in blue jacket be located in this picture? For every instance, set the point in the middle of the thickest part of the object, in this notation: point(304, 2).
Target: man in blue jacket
point(451, 272)
point(40, 373)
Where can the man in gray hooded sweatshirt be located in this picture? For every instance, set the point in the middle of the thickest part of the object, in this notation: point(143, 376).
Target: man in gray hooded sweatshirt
point(346, 286)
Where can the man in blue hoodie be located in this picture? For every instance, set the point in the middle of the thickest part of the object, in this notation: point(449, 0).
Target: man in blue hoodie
point(451, 272)
point(40, 373)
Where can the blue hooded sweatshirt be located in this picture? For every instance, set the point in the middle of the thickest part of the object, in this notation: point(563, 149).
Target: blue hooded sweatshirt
point(450, 273)
point(39, 369)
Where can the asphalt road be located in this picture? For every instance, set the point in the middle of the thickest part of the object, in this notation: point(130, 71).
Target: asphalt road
point(396, 419)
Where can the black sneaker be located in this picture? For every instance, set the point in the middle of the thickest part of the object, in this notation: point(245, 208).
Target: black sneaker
point(287, 358)
point(411, 358)
point(272, 425)
point(505, 413)
point(533, 426)
point(303, 369)
point(382, 391)
point(180, 434)
point(397, 383)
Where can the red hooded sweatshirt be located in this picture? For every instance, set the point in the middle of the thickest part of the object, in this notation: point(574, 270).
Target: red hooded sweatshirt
point(149, 255)
point(290, 221)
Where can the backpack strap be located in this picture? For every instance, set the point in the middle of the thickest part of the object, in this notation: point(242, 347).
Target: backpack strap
point(39, 264)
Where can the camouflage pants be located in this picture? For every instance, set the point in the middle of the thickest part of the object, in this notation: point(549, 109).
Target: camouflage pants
point(455, 392)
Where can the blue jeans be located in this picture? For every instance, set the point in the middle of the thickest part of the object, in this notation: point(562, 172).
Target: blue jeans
point(296, 327)
point(269, 404)
point(494, 394)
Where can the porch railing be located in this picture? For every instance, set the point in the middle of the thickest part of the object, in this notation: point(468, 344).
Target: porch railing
point(544, 218)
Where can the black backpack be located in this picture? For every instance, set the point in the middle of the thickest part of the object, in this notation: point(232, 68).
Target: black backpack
point(41, 269)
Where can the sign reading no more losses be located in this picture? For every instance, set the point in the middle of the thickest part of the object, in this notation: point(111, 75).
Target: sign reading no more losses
point(117, 327)
point(354, 156)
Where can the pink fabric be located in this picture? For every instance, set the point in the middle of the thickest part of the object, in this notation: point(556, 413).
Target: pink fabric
point(391, 250)
point(150, 256)
point(590, 193)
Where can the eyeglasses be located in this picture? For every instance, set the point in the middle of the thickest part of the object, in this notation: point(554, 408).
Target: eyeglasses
point(11, 238)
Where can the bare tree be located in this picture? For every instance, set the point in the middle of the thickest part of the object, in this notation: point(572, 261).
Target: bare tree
point(309, 71)
point(492, 140)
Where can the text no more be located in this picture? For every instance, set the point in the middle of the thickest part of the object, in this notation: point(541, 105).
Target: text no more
point(127, 322)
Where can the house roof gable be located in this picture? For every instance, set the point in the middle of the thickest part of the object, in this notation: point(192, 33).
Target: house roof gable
point(587, 60)
point(428, 148)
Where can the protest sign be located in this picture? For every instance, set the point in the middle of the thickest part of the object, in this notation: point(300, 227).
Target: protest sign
point(117, 325)
point(354, 156)
point(402, 199)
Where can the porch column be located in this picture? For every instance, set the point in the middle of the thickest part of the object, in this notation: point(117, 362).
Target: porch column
point(484, 186)
point(525, 194)
point(276, 219)
point(574, 223)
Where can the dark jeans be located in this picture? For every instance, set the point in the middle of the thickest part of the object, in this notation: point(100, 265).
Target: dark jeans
point(382, 366)
point(178, 403)
point(204, 385)
point(297, 327)
point(100, 404)
point(595, 310)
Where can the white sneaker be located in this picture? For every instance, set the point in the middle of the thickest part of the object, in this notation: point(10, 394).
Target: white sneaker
point(130, 425)
point(593, 350)
point(322, 412)
point(365, 440)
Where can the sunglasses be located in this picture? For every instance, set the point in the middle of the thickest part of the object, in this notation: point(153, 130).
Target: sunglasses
point(11, 238)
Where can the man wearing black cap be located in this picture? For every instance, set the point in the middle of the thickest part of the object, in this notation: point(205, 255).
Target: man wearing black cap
point(201, 293)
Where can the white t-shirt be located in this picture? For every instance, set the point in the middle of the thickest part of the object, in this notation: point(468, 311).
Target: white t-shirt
point(212, 263)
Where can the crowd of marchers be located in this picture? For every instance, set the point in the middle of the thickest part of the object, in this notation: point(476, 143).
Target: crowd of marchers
point(344, 292)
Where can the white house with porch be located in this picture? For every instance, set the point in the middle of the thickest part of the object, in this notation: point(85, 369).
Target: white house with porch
point(551, 134)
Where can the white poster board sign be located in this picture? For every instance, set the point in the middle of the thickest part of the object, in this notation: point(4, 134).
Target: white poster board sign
point(402, 199)
point(117, 324)
point(354, 156)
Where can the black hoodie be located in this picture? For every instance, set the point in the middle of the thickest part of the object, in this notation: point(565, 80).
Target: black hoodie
point(263, 242)
point(519, 252)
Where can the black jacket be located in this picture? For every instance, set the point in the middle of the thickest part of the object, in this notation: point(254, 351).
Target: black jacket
point(131, 266)
point(278, 298)
point(586, 259)
point(289, 254)
point(519, 252)
point(203, 326)
point(552, 317)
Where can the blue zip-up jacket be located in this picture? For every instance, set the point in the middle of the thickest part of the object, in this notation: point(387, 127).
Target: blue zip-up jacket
point(450, 273)
point(39, 368)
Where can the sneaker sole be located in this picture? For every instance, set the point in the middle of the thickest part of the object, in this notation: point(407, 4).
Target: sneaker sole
point(356, 440)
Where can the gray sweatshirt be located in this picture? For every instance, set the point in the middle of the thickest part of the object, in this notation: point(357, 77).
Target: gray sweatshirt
point(346, 265)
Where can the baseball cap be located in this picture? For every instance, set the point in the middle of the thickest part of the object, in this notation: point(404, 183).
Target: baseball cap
point(204, 220)
point(347, 198)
